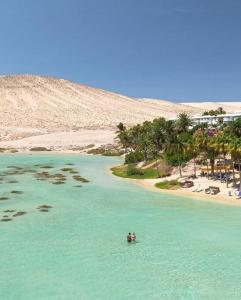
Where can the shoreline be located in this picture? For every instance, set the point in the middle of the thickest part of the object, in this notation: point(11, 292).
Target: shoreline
point(218, 199)
point(145, 183)
point(149, 184)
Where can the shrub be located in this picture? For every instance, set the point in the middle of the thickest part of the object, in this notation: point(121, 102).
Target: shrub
point(134, 157)
point(39, 149)
point(132, 170)
point(168, 184)
point(172, 159)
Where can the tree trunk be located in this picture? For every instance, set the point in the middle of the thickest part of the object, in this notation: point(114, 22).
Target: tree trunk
point(208, 169)
point(225, 167)
point(194, 165)
point(180, 170)
point(220, 170)
point(240, 175)
point(234, 179)
point(212, 162)
point(157, 168)
point(179, 162)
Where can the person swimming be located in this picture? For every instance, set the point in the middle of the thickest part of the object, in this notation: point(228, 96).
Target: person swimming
point(129, 238)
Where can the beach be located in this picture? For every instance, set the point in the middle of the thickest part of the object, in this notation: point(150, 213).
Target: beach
point(222, 197)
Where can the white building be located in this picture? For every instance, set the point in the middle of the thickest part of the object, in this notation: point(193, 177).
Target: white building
point(198, 119)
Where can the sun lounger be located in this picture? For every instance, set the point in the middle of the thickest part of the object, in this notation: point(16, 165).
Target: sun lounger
point(200, 189)
point(214, 190)
point(238, 195)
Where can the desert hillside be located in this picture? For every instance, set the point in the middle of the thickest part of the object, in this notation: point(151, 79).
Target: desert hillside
point(57, 104)
point(227, 106)
point(36, 106)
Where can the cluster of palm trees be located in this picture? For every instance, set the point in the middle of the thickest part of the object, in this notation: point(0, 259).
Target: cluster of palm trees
point(178, 142)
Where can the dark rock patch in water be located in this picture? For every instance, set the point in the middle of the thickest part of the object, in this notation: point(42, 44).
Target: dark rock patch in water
point(60, 177)
point(6, 219)
point(69, 164)
point(42, 176)
point(14, 167)
point(46, 167)
point(3, 198)
point(58, 182)
point(19, 213)
point(79, 178)
point(12, 181)
point(66, 169)
point(17, 192)
point(77, 186)
point(9, 211)
point(73, 172)
point(44, 206)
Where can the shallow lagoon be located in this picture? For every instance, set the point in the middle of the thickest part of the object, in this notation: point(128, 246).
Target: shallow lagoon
point(77, 250)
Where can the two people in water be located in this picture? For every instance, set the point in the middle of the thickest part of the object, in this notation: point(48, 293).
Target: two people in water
point(131, 237)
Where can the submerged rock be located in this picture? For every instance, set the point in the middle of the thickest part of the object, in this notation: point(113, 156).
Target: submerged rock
point(15, 167)
point(58, 182)
point(44, 206)
point(9, 211)
point(79, 178)
point(66, 169)
point(19, 213)
point(73, 172)
point(3, 198)
point(6, 220)
point(46, 167)
point(17, 192)
point(77, 186)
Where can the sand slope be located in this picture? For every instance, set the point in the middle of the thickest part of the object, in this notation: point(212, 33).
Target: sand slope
point(57, 104)
point(227, 106)
point(36, 106)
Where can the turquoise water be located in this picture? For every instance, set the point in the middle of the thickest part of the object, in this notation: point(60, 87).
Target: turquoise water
point(186, 249)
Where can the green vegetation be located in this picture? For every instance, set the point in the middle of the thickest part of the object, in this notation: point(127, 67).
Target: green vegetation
point(134, 157)
point(168, 185)
point(131, 171)
point(104, 152)
point(178, 142)
point(216, 112)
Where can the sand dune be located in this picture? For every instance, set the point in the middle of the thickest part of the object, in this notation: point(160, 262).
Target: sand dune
point(227, 106)
point(35, 106)
point(57, 104)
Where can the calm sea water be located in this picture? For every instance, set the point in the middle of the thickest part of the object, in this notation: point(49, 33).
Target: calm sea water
point(186, 249)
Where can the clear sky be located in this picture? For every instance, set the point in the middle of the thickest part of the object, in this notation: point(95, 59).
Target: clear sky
point(181, 50)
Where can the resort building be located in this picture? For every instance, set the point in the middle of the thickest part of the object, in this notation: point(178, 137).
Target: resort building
point(199, 119)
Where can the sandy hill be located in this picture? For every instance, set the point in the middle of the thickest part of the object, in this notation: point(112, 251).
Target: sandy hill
point(227, 106)
point(33, 106)
point(57, 104)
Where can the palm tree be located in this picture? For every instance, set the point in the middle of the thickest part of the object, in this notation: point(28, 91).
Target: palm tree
point(192, 148)
point(235, 151)
point(183, 122)
point(222, 146)
point(205, 143)
point(123, 135)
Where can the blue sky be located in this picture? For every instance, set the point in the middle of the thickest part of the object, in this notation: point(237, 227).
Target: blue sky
point(181, 50)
